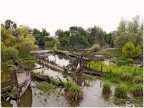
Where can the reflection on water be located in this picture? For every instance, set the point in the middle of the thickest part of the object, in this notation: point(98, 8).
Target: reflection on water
point(60, 59)
point(50, 72)
point(93, 96)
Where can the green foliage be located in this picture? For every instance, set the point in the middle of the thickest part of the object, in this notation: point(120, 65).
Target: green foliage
point(137, 90)
point(14, 91)
point(126, 77)
point(95, 48)
point(138, 50)
point(128, 31)
point(17, 42)
point(41, 36)
point(120, 91)
point(46, 87)
point(138, 79)
point(9, 53)
point(128, 50)
point(106, 87)
point(51, 42)
point(73, 92)
point(68, 85)
point(42, 70)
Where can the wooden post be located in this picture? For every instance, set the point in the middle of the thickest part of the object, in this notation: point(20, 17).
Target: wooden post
point(101, 67)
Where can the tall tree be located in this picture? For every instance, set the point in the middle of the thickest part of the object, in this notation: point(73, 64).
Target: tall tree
point(128, 31)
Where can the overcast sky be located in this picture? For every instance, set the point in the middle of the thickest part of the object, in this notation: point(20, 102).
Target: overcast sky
point(61, 14)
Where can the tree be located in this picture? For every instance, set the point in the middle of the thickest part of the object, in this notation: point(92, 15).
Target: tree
point(128, 31)
point(96, 35)
point(41, 36)
point(9, 53)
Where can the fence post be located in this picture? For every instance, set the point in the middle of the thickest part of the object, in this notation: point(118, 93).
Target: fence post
point(101, 67)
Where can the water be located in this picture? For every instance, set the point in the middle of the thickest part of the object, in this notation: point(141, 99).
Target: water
point(92, 94)
point(60, 59)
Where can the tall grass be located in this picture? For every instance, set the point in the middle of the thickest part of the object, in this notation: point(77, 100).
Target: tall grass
point(68, 85)
point(106, 88)
point(73, 93)
point(46, 87)
point(120, 91)
point(126, 77)
point(137, 90)
point(116, 70)
point(138, 79)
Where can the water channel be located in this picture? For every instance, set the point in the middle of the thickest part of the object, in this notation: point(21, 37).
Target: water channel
point(93, 96)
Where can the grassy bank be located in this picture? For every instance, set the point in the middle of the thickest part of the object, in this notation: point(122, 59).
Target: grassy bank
point(127, 75)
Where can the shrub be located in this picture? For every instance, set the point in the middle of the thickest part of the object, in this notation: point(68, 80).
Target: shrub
point(120, 91)
point(106, 87)
point(128, 50)
point(137, 90)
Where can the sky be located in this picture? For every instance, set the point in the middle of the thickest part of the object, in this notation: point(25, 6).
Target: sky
point(61, 14)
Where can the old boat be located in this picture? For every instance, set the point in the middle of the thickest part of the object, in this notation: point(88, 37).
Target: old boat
point(20, 80)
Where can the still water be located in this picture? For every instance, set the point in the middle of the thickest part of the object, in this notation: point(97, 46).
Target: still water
point(92, 94)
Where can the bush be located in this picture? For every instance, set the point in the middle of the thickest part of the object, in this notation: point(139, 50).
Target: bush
point(120, 91)
point(128, 50)
point(106, 87)
point(137, 90)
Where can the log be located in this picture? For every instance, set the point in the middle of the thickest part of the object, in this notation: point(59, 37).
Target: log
point(90, 72)
point(46, 78)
